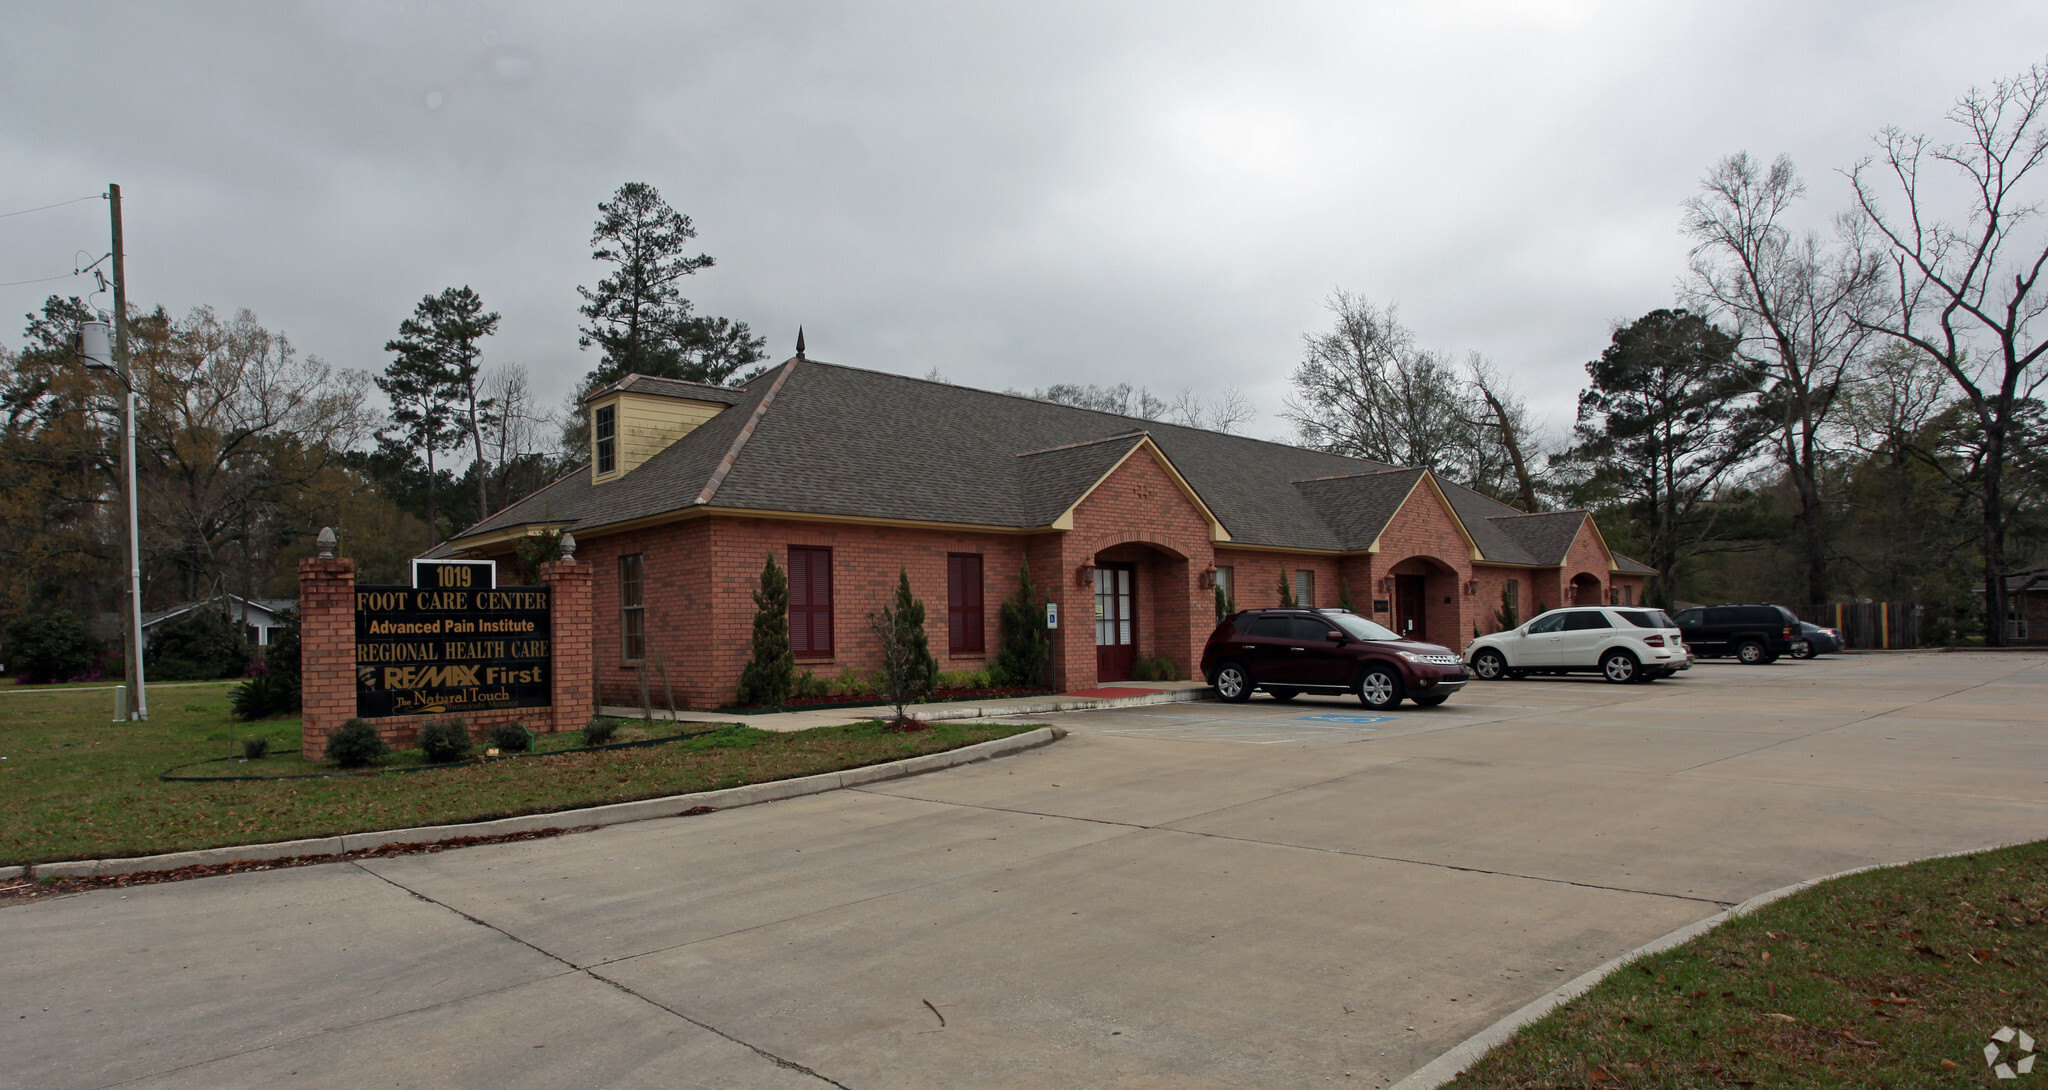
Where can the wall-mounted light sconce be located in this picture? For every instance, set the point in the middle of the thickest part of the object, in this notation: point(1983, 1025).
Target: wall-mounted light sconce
point(1084, 576)
point(1387, 583)
point(1471, 588)
point(1208, 580)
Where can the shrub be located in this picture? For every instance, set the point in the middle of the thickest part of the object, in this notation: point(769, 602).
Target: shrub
point(1026, 655)
point(200, 646)
point(263, 696)
point(512, 738)
point(444, 740)
point(1156, 668)
point(50, 646)
point(254, 749)
point(281, 658)
point(810, 685)
point(765, 680)
point(600, 730)
point(356, 744)
point(851, 683)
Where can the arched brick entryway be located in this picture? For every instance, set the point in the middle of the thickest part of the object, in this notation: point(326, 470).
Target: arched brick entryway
point(1585, 590)
point(1140, 597)
point(1425, 597)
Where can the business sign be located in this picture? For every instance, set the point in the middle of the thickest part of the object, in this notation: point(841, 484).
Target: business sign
point(453, 643)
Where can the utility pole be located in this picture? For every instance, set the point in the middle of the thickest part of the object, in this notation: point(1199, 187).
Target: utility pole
point(138, 698)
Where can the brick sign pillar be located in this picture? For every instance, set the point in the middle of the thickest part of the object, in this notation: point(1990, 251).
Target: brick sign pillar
point(327, 649)
point(575, 680)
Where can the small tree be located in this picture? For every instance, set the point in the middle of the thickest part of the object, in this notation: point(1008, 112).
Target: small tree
point(1224, 606)
point(1026, 655)
point(908, 668)
point(50, 646)
point(1507, 616)
point(1344, 593)
point(202, 645)
point(1286, 592)
point(766, 679)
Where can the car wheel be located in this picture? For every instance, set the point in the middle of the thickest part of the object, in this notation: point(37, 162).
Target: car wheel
point(1621, 668)
point(1804, 650)
point(1490, 665)
point(1232, 683)
point(1431, 701)
point(1752, 653)
point(1283, 695)
point(1378, 688)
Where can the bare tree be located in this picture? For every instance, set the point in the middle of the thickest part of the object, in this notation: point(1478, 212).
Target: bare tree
point(1508, 422)
point(1795, 303)
point(1228, 412)
point(1965, 288)
point(1366, 389)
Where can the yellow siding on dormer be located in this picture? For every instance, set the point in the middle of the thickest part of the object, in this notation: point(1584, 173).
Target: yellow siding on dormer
point(647, 424)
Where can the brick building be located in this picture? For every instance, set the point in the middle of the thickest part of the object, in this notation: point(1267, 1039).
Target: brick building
point(847, 476)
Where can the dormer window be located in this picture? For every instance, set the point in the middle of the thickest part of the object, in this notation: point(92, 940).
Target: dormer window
point(607, 438)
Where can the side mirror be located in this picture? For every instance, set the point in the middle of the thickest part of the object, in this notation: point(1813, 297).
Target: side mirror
point(1336, 637)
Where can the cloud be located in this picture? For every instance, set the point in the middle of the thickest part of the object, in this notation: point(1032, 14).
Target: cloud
point(1161, 194)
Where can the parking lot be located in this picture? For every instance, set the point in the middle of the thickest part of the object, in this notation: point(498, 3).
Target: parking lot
point(1186, 895)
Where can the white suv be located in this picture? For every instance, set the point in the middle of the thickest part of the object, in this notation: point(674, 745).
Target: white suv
point(1624, 644)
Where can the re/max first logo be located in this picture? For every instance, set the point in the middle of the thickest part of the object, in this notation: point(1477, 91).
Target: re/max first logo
point(439, 677)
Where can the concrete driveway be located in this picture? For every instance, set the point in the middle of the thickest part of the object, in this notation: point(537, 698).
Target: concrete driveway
point(1175, 896)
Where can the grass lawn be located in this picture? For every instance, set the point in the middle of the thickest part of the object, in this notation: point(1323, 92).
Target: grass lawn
point(75, 786)
point(1892, 978)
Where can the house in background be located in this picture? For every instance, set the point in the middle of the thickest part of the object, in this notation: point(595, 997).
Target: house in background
point(1130, 527)
point(2026, 605)
point(263, 616)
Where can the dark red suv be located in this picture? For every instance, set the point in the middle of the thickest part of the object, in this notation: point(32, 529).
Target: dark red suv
point(1288, 652)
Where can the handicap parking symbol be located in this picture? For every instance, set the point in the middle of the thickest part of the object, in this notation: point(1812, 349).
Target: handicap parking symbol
point(1344, 718)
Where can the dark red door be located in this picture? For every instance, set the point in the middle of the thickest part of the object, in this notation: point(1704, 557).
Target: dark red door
point(1409, 615)
point(1116, 633)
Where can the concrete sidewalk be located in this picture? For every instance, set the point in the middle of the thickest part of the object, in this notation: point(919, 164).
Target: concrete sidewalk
point(1117, 694)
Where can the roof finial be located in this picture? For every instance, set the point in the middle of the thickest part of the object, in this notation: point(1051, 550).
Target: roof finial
point(799, 342)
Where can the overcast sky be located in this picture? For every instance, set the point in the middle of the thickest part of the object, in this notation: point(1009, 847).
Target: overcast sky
point(1015, 195)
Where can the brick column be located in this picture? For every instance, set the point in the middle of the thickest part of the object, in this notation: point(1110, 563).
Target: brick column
point(327, 649)
point(575, 680)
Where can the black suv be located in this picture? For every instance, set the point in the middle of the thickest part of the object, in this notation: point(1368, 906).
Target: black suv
point(1290, 651)
point(1754, 634)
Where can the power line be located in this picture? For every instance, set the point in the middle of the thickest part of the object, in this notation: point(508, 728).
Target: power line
point(59, 204)
point(44, 280)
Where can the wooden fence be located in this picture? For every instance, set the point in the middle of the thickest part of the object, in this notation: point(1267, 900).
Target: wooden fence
point(1883, 626)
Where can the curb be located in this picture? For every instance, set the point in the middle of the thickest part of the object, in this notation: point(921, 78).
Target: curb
point(1086, 703)
point(589, 817)
point(972, 711)
point(1453, 1063)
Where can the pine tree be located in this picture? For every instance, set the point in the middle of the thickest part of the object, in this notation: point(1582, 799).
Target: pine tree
point(423, 403)
point(1026, 655)
point(439, 347)
point(908, 668)
point(1507, 616)
point(766, 679)
point(1286, 592)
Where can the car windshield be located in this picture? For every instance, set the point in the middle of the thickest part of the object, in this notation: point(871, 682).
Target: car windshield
point(1359, 627)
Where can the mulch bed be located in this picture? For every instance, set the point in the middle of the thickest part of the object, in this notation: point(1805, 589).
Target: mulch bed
point(937, 696)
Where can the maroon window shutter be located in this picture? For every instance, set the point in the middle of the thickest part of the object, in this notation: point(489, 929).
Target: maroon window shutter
point(964, 621)
point(799, 601)
point(810, 601)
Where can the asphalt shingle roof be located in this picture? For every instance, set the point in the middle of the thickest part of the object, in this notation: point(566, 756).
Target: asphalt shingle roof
point(846, 441)
point(1359, 506)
